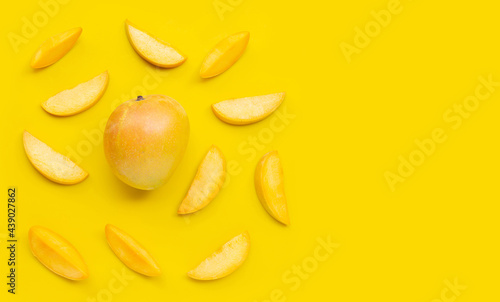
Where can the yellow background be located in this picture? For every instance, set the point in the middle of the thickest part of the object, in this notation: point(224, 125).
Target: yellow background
point(351, 123)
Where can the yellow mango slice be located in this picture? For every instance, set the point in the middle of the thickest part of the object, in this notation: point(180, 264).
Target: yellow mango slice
point(207, 182)
point(153, 49)
point(55, 48)
point(57, 254)
point(247, 110)
point(225, 260)
point(269, 187)
point(131, 253)
point(51, 164)
point(79, 98)
point(224, 54)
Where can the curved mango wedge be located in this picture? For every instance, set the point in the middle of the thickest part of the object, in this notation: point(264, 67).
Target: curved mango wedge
point(51, 164)
point(153, 49)
point(57, 254)
point(207, 182)
point(269, 187)
point(225, 260)
point(55, 48)
point(131, 253)
point(247, 110)
point(79, 98)
point(224, 54)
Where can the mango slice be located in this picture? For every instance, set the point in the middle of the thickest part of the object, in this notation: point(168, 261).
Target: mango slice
point(79, 98)
point(131, 253)
point(153, 49)
point(51, 164)
point(57, 254)
point(248, 110)
point(55, 48)
point(269, 187)
point(207, 182)
point(225, 260)
point(224, 54)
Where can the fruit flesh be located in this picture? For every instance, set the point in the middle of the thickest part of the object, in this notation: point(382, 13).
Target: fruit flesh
point(57, 254)
point(145, 140)
point(207, 182)
point(244, 111)
point(269, 187)
point(131, 253)
point(153, 49)
point(224, 54)
point(225, 260)
point(54, 48)
point(79, 98)
point(51, 164)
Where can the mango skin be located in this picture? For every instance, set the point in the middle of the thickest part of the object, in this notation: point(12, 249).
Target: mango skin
point(224, 54)
point(145, 139)
point(55, 47)
point(270, 188)
point(131, 253)
point(57, 254)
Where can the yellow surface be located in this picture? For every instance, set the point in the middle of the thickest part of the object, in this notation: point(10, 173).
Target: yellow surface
point(345, 125)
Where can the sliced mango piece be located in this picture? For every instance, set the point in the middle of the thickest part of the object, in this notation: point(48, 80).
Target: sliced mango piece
point(153, 49)
point(131, 253)
point(57, 254)
point(269, 187)
point(224, 54)
point(51, 164)
point(207, 182)
point(248, 110)
point(225, 260)
point(79, 98)
point(55, 48)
